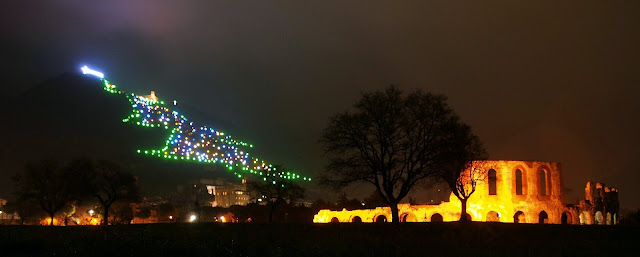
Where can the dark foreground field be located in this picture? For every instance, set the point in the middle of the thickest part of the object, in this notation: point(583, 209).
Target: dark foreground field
point(213, 239)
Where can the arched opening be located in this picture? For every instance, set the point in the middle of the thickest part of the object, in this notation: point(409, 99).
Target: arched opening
point(543, 217)
point(356, 219)
point(334, 220)
point(408, 217)
point(493, 188)
point(436, 217)
point(519, 217)
point(567, 218)
point(599, 218)
point(493, 216)
point(381, 219)
point(518, 182)
point(584, 218)
point(609, 218)
point(543, 182)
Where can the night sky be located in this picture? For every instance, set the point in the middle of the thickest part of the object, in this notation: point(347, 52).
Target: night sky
point(547, 81)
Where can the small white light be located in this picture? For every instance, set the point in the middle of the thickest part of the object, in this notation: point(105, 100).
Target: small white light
point(192, 218)
point(86, 70)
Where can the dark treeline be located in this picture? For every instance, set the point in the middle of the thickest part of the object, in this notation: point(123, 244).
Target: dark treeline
point(59, 189)
point(83, 191)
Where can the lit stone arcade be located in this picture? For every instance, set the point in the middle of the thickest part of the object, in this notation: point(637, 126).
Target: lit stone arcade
point(514, 191)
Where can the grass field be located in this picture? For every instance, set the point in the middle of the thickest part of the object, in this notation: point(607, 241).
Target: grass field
point(409, 239)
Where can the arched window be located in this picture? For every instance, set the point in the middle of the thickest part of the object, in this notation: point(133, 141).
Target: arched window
point(543, 182)
point(356, 219)
point(493, 190)
point(381, 219)
point(518, 182)
point(436, 217)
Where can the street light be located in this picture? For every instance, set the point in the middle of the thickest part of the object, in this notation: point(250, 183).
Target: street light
point(192, 218)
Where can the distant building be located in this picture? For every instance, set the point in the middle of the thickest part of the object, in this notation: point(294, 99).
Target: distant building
point(217, 193)
point(227, 194)
point(152, 96)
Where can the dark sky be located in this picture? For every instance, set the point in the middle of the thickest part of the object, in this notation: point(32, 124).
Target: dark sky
point(548, 80)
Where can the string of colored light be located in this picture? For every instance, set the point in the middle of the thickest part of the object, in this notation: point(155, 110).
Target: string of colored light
point(189, 142)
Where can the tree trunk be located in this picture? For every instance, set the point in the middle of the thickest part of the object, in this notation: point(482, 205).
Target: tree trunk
point(105, 215)
point(273, 208)
point(395, 217)
point(51, 221)
point(463, 213)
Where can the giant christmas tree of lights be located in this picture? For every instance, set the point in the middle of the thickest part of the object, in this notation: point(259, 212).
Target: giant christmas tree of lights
point(189, 142)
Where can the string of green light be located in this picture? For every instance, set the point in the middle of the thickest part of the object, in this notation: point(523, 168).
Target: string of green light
point(188, 142)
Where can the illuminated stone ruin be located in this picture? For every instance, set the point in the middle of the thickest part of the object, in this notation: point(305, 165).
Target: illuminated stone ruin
point(520, 192)
point(600, 205)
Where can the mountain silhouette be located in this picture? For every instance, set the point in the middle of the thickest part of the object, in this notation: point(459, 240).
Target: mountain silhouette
point(72, 116)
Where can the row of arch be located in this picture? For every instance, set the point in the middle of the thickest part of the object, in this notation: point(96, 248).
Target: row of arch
point(599, 218)
point(436, 217)
point(492, 216)
point(520, 183)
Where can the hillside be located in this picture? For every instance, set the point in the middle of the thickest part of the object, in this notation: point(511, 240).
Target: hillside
point(71, 116)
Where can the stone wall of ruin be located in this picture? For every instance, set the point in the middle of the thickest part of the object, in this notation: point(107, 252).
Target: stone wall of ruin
point(540, 200)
